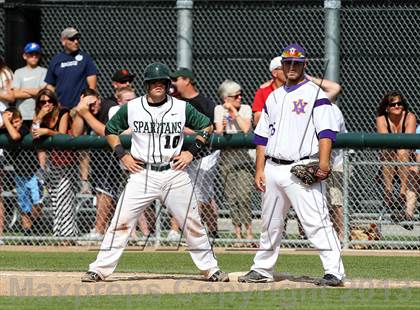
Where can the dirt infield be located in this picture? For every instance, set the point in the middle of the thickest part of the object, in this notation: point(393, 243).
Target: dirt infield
point(17, 283)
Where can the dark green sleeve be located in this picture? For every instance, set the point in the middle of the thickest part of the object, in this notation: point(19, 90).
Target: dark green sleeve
point(118, 123)
point(194, 119)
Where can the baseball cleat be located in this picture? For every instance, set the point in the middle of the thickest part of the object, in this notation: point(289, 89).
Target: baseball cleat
point(330, 280)
point(219, 276)
point(254, 277)
point(91, 276)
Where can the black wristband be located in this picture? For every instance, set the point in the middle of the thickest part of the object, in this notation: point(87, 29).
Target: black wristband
point(196, 147)
point(205, 135)
point(119, 151)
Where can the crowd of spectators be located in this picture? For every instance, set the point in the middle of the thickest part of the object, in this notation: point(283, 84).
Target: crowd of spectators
point(63, 99)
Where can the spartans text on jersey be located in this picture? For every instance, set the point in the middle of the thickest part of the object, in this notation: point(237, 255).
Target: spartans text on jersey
point(157, 127)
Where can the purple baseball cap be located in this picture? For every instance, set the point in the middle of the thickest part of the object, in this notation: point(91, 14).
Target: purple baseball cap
point(293, 52)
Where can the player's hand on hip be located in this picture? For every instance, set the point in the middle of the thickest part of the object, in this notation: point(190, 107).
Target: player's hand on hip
point(133, 165)
point(259, 181)
point(181, 161)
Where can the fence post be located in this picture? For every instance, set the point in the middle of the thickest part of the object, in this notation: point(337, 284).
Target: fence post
point(346, 219)
point(332, 39)
point(184, 34)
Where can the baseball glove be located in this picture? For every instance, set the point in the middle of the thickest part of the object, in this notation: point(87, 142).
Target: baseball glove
point(309, 173)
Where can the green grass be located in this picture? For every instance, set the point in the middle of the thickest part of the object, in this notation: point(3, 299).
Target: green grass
point(377, 267)
point(279, 299)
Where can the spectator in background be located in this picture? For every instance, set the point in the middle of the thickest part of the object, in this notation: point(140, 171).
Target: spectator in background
point(6, 90)
point(6, 97)
point(28, 81)
point(122, 95)
point(51, 119)
point(202, 172)
point(233, 117)
point(335, 181)
point(121, 78)
point(106, 174)
point(394, 116)
point(71, 71)
point(278, 79)
point(25, 166)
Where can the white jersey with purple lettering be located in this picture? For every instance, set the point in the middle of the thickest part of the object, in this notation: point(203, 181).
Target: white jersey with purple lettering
point(293, 120)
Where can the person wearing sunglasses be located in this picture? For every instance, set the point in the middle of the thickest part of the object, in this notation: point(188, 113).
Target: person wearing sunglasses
point(394, 116)
point(232, 117)
point(52, 119)
point(72, 70)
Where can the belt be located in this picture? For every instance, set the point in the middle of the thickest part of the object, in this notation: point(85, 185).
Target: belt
point(286, 162)
point(156, 167)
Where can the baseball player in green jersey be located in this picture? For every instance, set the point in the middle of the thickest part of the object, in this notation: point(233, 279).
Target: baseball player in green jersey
point(156, 165)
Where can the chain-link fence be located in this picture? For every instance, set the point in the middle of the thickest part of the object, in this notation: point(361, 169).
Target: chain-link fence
point(380, 51)
point(379, 46)
point(373, 202)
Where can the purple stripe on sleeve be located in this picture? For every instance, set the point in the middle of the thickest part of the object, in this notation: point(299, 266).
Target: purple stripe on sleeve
point(322, 101)
point(258, 140)
point(328, 133)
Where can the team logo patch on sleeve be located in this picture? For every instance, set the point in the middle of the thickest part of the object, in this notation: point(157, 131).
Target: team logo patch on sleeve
point(299, 106)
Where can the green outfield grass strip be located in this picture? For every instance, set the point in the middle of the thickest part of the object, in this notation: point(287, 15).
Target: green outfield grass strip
point(364, 267)
point(280, 299)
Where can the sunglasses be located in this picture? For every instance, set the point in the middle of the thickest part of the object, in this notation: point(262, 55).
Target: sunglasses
point(42, 102)
point(394, 104)
point(74, 38)
point(236, 96)
point(33, 54)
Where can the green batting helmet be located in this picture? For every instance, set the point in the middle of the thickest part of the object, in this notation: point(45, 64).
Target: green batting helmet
point(156, 71)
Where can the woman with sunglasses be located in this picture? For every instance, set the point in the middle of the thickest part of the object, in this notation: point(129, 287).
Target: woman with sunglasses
point(51, 119)
point(236, 166)
point(394, 116)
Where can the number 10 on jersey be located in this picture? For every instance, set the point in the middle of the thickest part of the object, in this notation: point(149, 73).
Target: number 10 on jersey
point(174, 144)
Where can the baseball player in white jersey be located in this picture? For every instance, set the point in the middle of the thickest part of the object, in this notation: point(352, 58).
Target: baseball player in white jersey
point(156, 164)
point(297, 126)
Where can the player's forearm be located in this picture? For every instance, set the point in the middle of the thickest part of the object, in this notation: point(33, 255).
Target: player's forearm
point(260, 161)
point(206, 132)
point(325, 146)
point(200, 141)
point(113, 141)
